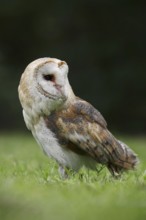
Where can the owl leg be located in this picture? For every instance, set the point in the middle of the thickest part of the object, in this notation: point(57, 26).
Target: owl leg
point(62, 172)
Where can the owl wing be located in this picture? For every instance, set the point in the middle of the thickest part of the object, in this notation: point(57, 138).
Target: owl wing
point(85, 109)
point(84, 130)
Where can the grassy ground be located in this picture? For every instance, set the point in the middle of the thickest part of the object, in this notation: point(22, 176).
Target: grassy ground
point(30, 187)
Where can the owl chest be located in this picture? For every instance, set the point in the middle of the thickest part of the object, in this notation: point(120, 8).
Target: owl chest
point(50, 145)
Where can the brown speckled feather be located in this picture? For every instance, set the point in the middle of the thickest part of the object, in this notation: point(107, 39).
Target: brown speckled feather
point(82, 129)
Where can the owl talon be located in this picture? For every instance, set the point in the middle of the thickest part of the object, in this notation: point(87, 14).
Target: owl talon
point(62, 172)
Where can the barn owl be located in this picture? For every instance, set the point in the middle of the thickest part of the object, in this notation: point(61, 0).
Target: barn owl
point(67, 128)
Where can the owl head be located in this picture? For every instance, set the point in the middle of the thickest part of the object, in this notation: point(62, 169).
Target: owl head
point(44, 85)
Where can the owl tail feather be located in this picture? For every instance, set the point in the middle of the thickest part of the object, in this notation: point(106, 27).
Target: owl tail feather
point(121, 159)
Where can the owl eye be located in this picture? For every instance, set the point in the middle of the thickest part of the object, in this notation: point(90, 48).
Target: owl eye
point(49, 77)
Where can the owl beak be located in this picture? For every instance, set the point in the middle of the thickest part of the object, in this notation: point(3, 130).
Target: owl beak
point(58, 86)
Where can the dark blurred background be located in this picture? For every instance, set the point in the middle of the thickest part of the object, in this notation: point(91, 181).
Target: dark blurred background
point(104, 43)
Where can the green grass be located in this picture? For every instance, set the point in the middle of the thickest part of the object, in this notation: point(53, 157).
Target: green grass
point(30, 187)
